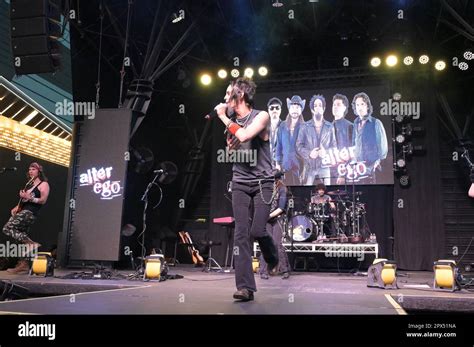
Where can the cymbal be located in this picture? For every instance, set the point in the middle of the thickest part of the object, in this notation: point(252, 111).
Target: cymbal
point(338, 192)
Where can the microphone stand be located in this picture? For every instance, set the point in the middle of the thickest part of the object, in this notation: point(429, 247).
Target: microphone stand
point(144, 198)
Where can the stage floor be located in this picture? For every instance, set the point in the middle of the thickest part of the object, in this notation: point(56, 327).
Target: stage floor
point(211, 293)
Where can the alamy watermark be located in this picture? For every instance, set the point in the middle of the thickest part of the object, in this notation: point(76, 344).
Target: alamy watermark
point(70, 108)
point(237, 156)
point(400, 108)
point(345, 251)
point(13, 250)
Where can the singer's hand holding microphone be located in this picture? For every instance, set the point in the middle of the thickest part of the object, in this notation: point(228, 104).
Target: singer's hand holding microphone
point(218, 111)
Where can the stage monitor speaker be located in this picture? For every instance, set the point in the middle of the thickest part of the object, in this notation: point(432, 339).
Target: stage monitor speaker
point(35, 29)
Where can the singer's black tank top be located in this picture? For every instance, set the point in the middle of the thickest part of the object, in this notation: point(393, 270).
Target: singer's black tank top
point(261, 165)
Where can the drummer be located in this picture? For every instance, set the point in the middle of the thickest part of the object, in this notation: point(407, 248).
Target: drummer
point(320, 196)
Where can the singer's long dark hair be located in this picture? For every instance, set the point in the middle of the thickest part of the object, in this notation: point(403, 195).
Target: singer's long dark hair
point(244, 87)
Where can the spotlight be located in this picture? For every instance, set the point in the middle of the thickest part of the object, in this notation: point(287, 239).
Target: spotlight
point(391, 60)
point(440, 65)
point(222, 73)
point(408, 60)
point(262, 71)
point(277, 3)
point(176, 18)
point(248, 72)
point(43, 265)
point(424, 59)
point(446, 274)
point(463, 66)
point(401, 163)
point(404, 181)
point(154, 267)
point(235, 73)
point(206, 79)
point(375, 62)
point(468, 55)
point(400, 138)
point(382, 274)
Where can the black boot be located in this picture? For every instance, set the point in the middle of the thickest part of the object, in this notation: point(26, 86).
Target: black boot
point(269, 251)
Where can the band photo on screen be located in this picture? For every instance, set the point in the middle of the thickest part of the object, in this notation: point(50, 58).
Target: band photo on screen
point(190, 170)
point(336, 138)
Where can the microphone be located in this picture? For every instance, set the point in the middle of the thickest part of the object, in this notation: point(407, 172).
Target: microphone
point(211, 115)
point(9, 168)
point(159, 171)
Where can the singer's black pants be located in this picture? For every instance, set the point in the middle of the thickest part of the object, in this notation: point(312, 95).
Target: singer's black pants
point(243, 194)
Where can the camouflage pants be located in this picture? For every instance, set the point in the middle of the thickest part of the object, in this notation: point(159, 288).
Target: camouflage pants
point(18, 225)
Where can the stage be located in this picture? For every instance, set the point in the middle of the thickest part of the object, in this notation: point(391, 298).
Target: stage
point(199, 292)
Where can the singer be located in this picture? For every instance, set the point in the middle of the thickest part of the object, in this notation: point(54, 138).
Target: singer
point(32, 198)
point(249, 130)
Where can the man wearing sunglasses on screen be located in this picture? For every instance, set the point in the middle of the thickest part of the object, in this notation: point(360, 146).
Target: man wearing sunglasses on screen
point(274, 110)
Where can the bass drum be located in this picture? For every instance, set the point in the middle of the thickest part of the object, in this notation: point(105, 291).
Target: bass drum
point(300, 228)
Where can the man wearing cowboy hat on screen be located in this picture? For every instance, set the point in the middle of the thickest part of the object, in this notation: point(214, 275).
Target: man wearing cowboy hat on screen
point(314, 139)
point(286, 157)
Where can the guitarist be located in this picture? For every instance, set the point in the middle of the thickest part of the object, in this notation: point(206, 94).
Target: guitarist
point(32, 198)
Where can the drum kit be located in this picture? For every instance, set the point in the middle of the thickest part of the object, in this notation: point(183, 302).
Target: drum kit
point(340, 219)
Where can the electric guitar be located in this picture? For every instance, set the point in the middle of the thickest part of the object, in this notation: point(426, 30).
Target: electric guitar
point(186, 239)
point(22, 201)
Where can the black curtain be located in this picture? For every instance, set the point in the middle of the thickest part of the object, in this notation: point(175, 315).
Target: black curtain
point(418, 213)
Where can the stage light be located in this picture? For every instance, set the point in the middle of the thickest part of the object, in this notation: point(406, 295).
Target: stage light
point(154, 265)
point(235, 73)
point(468, 55)
point(248, 72)
point(401, 163)
point(222, 73)
point(29, 117)
point(404, 181)
point(391, 60)
point(440, 65)
point(375, 62)
point(255, 264)
point(262, 71)
point(382, 274)
point(408, 60)
point(277, 3)
point(34, 142)
point(463, 66)
point(399, 118)
point(176, 18)
point(43, 265)
point(424, 59)
point(446, 274)
point(400, 138)
point(408, 149)
point(206, 79)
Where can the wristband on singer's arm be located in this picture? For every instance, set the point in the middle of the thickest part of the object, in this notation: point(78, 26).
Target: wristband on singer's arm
point(233, 127)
